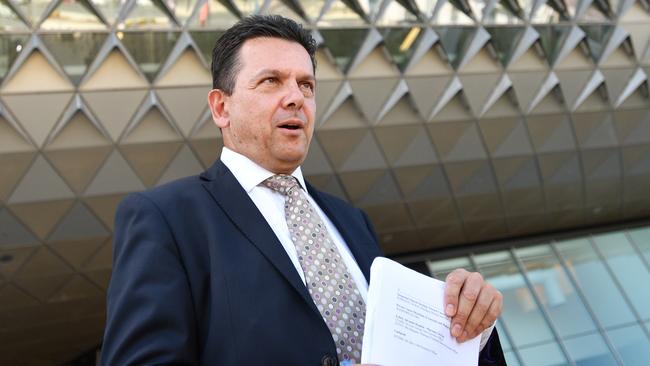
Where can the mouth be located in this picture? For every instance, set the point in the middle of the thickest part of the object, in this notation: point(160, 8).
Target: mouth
point(292, 125)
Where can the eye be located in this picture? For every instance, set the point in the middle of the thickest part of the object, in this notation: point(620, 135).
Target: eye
point(270, 80)
point(307, 87)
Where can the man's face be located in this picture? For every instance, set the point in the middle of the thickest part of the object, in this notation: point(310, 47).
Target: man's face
point(269, 117)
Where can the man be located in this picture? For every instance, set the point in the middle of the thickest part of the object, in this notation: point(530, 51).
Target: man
point(247, 264)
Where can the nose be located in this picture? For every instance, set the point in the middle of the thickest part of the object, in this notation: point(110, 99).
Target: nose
point(294, 98)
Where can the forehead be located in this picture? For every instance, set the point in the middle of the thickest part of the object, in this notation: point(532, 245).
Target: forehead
point(274, 53)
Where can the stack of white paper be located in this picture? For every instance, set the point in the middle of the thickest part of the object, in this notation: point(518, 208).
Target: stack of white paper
point(406, 323)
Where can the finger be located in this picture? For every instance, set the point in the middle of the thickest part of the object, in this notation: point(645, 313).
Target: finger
point(494, 311)
point(485, 299)
point(467, 299)
point(453, 284)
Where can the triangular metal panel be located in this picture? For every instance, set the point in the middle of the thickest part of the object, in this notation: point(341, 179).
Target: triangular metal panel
point(14, 234)
point(551, 133)
point(41, 217)
point(78, 166)
point(76, 252)
point(575, 85)
point(357, 184)
point(14, 166)
point(375, 65)
point(104, 207)
point(185, 105)
point(372, 94)
point(594, 130)
point(427, 91)
point(183, 165)
point(77, 288)
point(505, 137)
point(113, 59)
point(419, 183)
point(150, 160)
point(77, 127)
point(339, 143)
point(622, 82)
point(478, 89)
point(316, 161)
point(406, 145)
point(347, 115)
point(115, 176)
point(78, 223)
point(72, 15)
point(365, 155)
point(35, 58)
point(183, 65)
point(457, 141)
point(40, 183)
point(383, 191)
point(12, 137)
point(151, 123)
point(400, 112)
point(327, 90)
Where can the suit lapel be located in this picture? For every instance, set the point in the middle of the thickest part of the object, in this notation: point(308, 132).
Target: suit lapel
point(241, 210)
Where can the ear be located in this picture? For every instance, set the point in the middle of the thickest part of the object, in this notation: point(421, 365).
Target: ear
point(217, 101)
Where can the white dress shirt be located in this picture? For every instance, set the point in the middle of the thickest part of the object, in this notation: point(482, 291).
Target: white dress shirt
point(271, 204)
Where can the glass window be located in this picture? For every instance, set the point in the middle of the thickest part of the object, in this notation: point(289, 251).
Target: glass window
point(545, 355)
point(74, 51)
point(401, 43)
point(10, 47)
point(589, 350)
point(511, 358)
point(9, 20)
point(440, 269)
point(641, 238)
point(78, 15)
point(599, 288)
point(503, 337)
point(520, 311)
point(149, 49)
point(556, 291)
point(632, 344)
point(628, 269)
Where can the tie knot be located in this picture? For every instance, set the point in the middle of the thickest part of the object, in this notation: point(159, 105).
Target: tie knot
point(281, 183)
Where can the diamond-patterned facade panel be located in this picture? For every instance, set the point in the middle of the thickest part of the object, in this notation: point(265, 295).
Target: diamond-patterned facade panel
point(449, 122)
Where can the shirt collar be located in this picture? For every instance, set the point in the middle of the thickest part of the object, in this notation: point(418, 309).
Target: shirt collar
point(248, 173)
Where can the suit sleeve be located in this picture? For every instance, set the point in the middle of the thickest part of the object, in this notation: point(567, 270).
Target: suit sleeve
point(150, 316)
point(492, 354)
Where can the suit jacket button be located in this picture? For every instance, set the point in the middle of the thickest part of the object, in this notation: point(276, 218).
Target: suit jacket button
point(328, 360)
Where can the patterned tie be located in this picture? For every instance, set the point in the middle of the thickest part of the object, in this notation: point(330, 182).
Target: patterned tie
point(328, 280)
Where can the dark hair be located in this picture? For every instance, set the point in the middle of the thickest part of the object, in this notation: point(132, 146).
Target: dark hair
point(225, 54)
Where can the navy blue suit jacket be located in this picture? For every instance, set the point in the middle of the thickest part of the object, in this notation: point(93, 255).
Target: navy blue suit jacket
point(199, 278)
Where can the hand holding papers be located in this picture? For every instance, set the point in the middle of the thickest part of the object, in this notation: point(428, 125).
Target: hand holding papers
point(406, 323)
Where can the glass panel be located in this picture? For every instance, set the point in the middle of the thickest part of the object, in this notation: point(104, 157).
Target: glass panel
point(149, 49)
point(205, 40)
point(10, 47)
point(555, 291)
point(213, 14)
point(343, 44)
point(396, 14)
point(505, 40)
point(248, 7)
point(440, 269)
point(545, 355)
point(520, 312)
point(147, 14)
point(312, 8)
point(74, 51)
point(339, 14)
point(641, 238)
point(505, 341)
point(32, 9)
point(450, 15)
point(73, 14)
point(632, 344)
point(589, 350)
point(544, 14)
point(426, 7)
point(597, 37)
point(551, 38)
point(596, 12)
point(401, 43)
point(598, 287)
point(628, 269)
point(109, 8)
point(455, 41)
point(182, 8)
point(9, 21)
point(282, 8)
point(504, 12)
point(511, 359)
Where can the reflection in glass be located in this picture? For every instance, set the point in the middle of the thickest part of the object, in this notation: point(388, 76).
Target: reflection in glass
point(9, 21)
point(426, 7)
point(74, 51)
point(149, 49)
point(503, 337)
point(32, 9)
point(551, 39)
point(340, 14)
point(544, 14)
point(628, 268)
point(641, 238)
point(109, 8)
point(77, 15)
point(343, 44)
point(282, 8)
point(147, 14)
point(401, 43)
point(248, 7)
point(205, 40)
point(511, 359)
point(520, 311)
point(632, 344)
point(455, 41)
point(440, 269)
point(396, 14)
point(213, 14)
point(10, 47)
point(598, 287)
point(504, 12)
point(545, 355)
point(312, 8)
point(589, 350)
point(450, 15)
point(555, 291)
point(597, 37)
point(504, 40)
point(182, 8)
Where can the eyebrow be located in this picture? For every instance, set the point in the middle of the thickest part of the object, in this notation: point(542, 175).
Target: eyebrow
point(278, 73)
